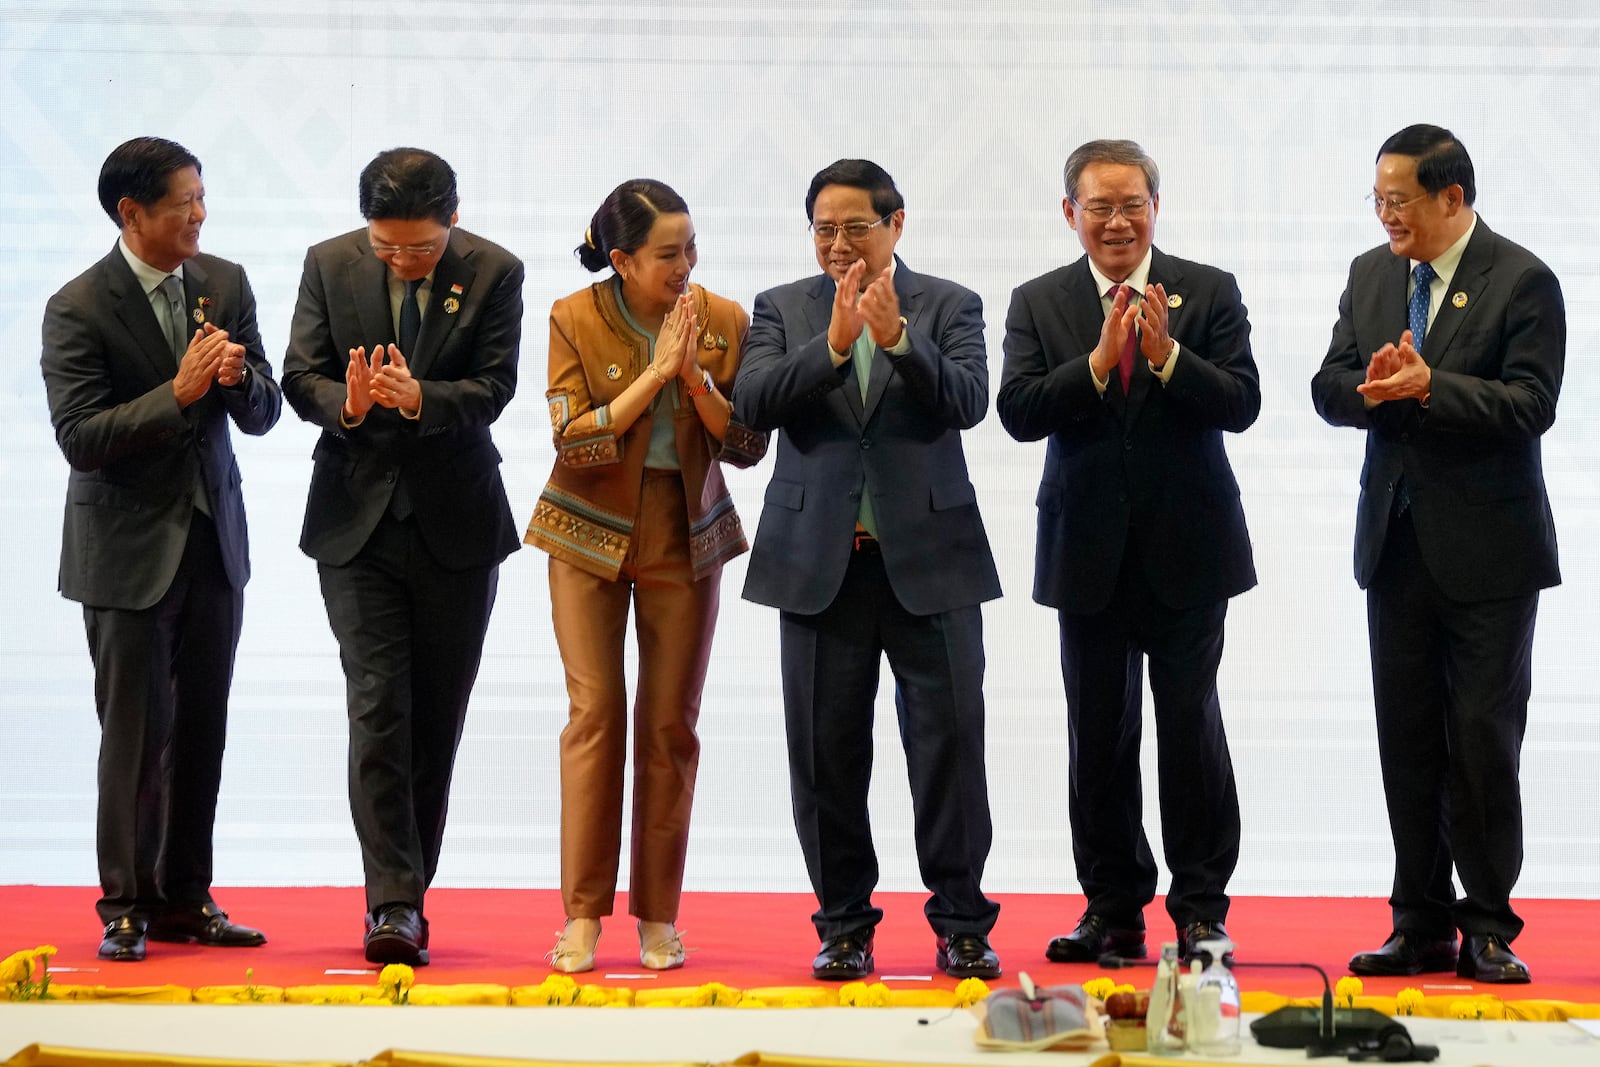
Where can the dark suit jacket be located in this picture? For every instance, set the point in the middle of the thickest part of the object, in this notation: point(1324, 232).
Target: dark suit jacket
point(135, 455)
point(1149, 465)
point(1471, 459)
point(903, 443)
point(466, 361)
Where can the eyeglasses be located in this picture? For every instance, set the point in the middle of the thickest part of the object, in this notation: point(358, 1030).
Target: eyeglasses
point(1380, 204)
point(418, 251)
point(1133, 210)
point(827, 232)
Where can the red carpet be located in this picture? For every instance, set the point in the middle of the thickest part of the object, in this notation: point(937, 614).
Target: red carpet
point(754, 940)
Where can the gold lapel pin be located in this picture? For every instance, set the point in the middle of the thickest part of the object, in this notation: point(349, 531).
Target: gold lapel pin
point(722, 342)
point(1459, 300)
point(451, 305)
point(199, 316)
point(1174, 301)
point(613, 372)
point(707, 341)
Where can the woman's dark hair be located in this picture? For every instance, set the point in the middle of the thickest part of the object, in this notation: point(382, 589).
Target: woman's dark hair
point(624, 220)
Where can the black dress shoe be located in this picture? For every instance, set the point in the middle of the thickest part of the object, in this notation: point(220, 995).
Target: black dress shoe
point(397, 933)
point(967, 956)
point(124, 940)
point(1487, 958)
point(1096, 936)
point(844, 958)
point(205, 923)
point(1192, 934)
point(1406, 953)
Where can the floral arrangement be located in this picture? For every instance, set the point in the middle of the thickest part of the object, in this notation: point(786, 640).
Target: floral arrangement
point(26, 975)
point(1408, 1001)
point(1347, 990)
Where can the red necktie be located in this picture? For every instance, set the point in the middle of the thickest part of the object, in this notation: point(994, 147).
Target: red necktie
point(1129, 347)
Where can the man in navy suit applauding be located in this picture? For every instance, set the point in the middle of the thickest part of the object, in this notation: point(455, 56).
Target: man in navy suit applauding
point(870, 544)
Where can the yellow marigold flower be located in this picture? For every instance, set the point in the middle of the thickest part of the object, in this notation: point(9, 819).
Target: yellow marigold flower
point(46, 950)
point(1347, 990)
point(1465, 1009)
point(748, 1001)
point(970, 991)
point(851, 993)
point(801, 1000)
point(1408, 1001)
point(17, 967)
point(1099, 988)
point(1125, 987)
point(592, 996)
point(714, 995)
point(397, 977)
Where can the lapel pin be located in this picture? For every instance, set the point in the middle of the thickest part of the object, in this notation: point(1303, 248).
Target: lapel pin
point(1459, 300)
point(200, 311)
point(722, 342)
point(708, 342)
point(451, 305)
point(613, 372)
point(1174, 301)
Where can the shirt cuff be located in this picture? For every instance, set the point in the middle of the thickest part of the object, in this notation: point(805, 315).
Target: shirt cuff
point(1164, 372)
point(902, 346)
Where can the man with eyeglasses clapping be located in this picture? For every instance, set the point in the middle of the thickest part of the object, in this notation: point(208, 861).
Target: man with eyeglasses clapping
point(1132, 364)
point(871, 546)
point(404, 350)
point(1449, 353)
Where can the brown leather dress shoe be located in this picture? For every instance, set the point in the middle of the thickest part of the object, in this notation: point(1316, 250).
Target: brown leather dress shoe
point(1097, 935)
point(124, 940)
point(206, 924)
point(396, 933)
point(1406, 953)
point(967, 956)
point(844, 958)
point(1488, 958)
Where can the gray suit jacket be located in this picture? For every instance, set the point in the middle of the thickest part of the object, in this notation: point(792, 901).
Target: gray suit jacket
point(135, 454)
point(903, 443)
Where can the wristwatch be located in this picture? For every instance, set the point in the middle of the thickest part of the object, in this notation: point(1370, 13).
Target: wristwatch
point(706, 386)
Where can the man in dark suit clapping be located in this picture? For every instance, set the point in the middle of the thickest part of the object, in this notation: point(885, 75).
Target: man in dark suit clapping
point(871, 545)
point(147, 357)
point(1448, 352)
point(404, 350)
point(1133, 364)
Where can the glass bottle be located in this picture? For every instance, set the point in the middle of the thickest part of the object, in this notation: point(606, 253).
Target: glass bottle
point(1160, 1037)
point(1213, 1028)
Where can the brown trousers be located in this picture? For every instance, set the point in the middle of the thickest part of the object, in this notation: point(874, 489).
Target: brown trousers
point(674, 619)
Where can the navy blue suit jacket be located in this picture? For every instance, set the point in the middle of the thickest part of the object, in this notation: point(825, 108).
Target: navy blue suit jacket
point(903, 443)
point(1149, 465)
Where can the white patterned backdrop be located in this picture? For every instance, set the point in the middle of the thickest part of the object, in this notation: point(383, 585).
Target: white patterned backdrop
point(1264, 117)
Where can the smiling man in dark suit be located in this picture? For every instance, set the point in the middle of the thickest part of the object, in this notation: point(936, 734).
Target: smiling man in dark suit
point(1133, 364)
point(404, 350)
point(1448, 352)
point(147, 356)
point(871, 545)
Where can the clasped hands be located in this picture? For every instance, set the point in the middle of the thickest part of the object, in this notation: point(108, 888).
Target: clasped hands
point(369, 381)
point(1148, 316)
point(1396, 372)
point(210, 357)
point(877, 310)
point(675, 345)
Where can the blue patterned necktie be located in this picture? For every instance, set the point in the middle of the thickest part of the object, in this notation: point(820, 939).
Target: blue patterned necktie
point(1423, 274)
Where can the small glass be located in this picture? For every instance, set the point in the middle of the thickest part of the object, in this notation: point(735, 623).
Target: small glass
point(1213, 1023)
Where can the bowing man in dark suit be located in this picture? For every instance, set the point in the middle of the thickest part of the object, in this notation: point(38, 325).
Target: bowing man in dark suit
point(870, 544)
point(404, 351)
point(1133, 364)
point(1448, 352)
point(147, 356)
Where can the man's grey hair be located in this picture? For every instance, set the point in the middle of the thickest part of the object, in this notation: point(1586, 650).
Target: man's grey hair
point(1125, 152)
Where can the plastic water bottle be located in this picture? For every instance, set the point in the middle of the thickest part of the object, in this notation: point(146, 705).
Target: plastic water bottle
point(1213, 1028)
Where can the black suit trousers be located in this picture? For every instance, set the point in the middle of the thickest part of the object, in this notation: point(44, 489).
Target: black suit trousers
point(161, 680)
point(830, 682)
point(410, 635)
point(1451, 682)
point(1102, 658)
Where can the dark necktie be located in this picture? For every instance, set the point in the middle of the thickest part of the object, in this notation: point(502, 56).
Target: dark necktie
point(410, 319)
point(1130, 346)
point(172, 289)
point(1424, 274)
